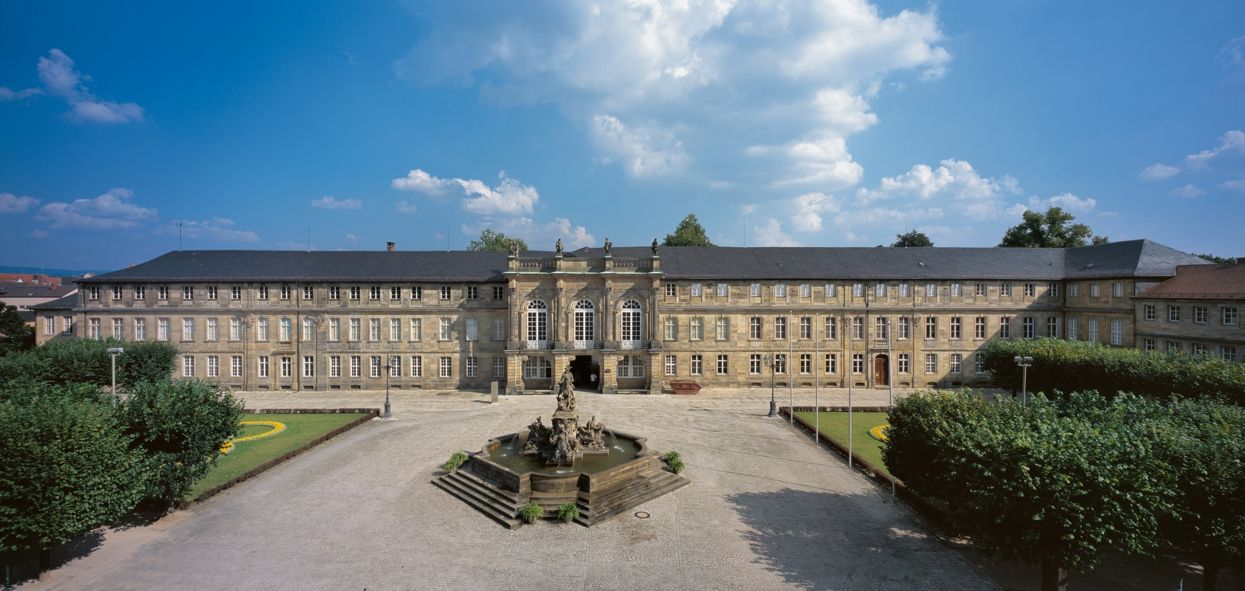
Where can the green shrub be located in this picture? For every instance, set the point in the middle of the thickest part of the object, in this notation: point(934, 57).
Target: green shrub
point(673, 461)
point(531, 512)
point(1071, 366)
point(455, 462)
point(180, 425)
point(567, 512)
point(66, 467)
point(87, 361)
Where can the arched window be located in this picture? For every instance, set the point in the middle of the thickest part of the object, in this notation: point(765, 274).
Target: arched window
point(585, 321)
point(537, 321)
point(632, 322)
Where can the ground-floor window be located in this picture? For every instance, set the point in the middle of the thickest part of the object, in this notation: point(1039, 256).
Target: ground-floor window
point(335, 366)
point(499, 367)
point(213, 369)
point(447, 367)
point(631, 366)
point(374, 367)
point(1117, 332)
point(904, 363)
point(356, 366)
point(931, 363)
point(395, 366)
point(780, 363)
point(754, 363)
point(309, 366)
point(858, 363)
point(261, 366)
point(832, 363)
point(697, 364)
point(672, 365)
point(1227, 352)
point(979, 363)
point(806, 363)
point(235, 366)
point(723, 364)
point(537, 368)
point(417, 366)
point(287, 367)
point(472, 367)
point(188, 366)
point(956, 362)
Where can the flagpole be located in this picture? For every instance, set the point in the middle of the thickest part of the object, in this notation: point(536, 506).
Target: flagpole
point(816, 393)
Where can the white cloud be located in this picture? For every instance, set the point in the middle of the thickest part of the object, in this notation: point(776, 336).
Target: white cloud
point(8, 94)
point(1188, 191)
point(1231, 142)
point(643, 151)
point(808, 210)
point(1232, 54)
point(351, 238)
point(10, 203)
point(770, 233)
point(539, 236)
point(212, 230)
point(1235, 185)
point(38, 234)
point(509, 197)
point(659, 86)
point(952, 179)
point(404, 206)
point(329, 202)
point(61, 79)
point(109, 211)
point(1066, 201)
point(1158, 171)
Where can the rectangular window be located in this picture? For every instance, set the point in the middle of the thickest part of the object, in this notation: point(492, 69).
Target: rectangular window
point(395, 366)
point(285, 292)
point(355, 293)
point(1052, 327)
point(162, 329)
point(806, 363)
point(1148, 312)
point(858, 290)
point(473, 292)
point(858, 363)
point(499, 367)
point(904, 364)
point(211, 292)
point(780, 363)
point(1173, 313)
point(931, 327)
point(374, 367)
point(672, 365)
point(373, 329)
point(832, 363)
point(1117, 332)
point(210, 329)
point(417, 329)
point(118, 329)
point(780, 290)
point(308, 292)
point(806, 327)
point(445, 296)
point(1148, 345)
point(1074, 290)
point(1072, 329)
point(162, 293)
point(499, 329)
point(881, 328)
point(1093, 289)
point(140, 292)
point(671, 326)
point(374, 292)
point(1198, 349)
point(188, 329)
point(395, 329)
point(672, 290)
point(307, 329)
point(696, 290)
point(879, 290)
point(905, 328)
point(235, 292)
point(858, 328)
point(980, 290)
point(956, 290)
point(335, 292)
point(931, 363)
point(905, 290)
point(287, 367)
point(955, 327)
point(472, 367)
point(754, 290)
point(1093, 330)
point(780, 328)
point(696, 329)
point(931, 290)
point(417, 293)
point(235, 366)
point(499, 293)
point(723, 290)
point(284, 328)
point(754, 327)
point(395, 292)
point(979, 363)
point(188, 292)
point(261, 329)
point(1171, 346)
point(1227, 352)
point(67, 324)
point(445, 332)
point(1199, 314)
point(335, 366)
point(1027, 326)
point(1005, 327)
point(1030, 290)
point(1228, 315)
point(979, 327)
point(754, 363)
point(447, 368)
point(356, 366)
point(957, 361)
point(724, 364)
point(417, 366)
point(830, 291)
point(335, 329)
point(309, 366)
point(1117, 289)
point(723, 328)
point(469, 330)
point(188, 366)
point(1005, 289)
point(631, 366)
point(261, 292)
point(1052, 290)
point(140, 328)
point(806, 290)
point(832, 328)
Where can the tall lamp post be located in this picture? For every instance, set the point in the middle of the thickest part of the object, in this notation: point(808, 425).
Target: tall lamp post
point(388, 414)
point(1024, 362)
point(773, 402)
point(113, 352)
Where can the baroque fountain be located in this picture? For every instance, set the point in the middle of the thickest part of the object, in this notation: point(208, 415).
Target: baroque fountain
point(602, 471)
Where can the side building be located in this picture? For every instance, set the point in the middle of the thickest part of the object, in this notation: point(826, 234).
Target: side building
point(622, 319)
point(1198, 311)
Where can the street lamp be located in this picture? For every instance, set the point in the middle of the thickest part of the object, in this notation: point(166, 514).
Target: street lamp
point(113, 352)
point(1024, 362)
point(773, 402)
point(388, 372)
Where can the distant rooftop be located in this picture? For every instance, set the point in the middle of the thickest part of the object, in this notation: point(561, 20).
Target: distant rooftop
point(1220, 282)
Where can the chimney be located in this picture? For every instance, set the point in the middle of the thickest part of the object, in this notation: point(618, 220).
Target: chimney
point(389, 246)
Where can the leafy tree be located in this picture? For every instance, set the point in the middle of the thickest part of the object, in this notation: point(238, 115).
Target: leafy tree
point(493, 241)
point(689, 233)
point(65, 468)
point(1052, 229)
point(87, 361)
point(1216, 259)
point(180, 425)
point(1053, 482)
point(913, 238)
point(14, 334)
point(1206, 449)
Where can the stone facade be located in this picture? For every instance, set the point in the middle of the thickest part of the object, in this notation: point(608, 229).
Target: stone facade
point(1198, 311)
point(620, 323)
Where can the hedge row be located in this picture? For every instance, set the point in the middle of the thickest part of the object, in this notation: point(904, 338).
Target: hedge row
point(1070, 366)
point(84, 361)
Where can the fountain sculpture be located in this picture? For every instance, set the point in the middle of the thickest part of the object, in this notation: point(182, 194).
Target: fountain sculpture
point(558, 463)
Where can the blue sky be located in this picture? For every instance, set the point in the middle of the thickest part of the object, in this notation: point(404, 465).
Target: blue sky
point(782, 122)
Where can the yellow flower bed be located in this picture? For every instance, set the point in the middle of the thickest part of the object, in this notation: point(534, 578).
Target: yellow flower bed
point(879, 432)
point(277, 427)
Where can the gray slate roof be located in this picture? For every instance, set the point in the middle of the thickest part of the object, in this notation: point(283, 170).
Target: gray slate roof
point(1134, 258)
point(68, 302)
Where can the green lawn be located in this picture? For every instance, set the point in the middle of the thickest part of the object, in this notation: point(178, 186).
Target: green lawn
point(299, 430)
point(834, 427)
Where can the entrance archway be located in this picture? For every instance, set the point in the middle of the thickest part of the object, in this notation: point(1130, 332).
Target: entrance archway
point(582, 369)
point(881, 370)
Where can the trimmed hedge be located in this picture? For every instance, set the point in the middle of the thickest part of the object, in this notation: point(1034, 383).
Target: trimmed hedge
point(85, 361)
point(1070, 366)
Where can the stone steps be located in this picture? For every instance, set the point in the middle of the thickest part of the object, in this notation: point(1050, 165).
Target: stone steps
point(599, 507)
point(485, 498)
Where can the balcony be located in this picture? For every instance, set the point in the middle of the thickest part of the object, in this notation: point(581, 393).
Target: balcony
point(584, 344)
point(631, 344)
point(536, 345)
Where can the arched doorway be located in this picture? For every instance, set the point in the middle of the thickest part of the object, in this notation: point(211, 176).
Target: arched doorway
point(881, 370)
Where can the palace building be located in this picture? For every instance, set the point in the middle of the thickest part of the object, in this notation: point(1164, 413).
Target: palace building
point(623, 319)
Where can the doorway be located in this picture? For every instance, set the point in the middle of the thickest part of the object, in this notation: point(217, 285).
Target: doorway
point(881, 370)
point(583, 369)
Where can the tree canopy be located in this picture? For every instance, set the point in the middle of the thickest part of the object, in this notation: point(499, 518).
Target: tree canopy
point(913, 238)
point(689, 233)
point(493, 241)
point(1215, 259)
point(14, 334)
point(1053, 229)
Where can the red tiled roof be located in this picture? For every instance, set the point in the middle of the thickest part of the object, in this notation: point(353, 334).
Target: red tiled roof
point(1221, 282)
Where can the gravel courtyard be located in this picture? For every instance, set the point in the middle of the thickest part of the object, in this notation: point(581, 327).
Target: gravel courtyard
point(766, 509)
